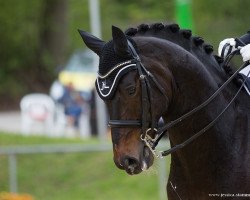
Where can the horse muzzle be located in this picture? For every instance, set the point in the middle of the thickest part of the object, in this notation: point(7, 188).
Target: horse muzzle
point(136, 164)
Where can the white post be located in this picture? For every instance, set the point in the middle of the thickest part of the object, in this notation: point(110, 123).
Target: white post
point(162, 178)
point(96, 30)
point(12, 173)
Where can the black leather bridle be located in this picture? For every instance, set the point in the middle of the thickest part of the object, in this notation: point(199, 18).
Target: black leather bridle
point(147, 123)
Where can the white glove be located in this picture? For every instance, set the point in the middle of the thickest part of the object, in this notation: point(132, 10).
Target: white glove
point(231, 42)
point(245, 53)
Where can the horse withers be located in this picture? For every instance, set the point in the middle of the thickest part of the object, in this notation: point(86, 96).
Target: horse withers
point(158, 71)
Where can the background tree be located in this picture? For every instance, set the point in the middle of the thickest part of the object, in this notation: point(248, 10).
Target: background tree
point(37, 36)
point(33, 38)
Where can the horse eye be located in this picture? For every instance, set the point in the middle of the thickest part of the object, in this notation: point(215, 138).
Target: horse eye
point(131, 90)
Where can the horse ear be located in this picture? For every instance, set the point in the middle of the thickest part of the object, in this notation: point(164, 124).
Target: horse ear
point(120, 42)
point(92, 42)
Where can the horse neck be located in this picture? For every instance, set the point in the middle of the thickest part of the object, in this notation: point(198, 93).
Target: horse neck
point(194, 84)
point(205, 164)
point(192, 81)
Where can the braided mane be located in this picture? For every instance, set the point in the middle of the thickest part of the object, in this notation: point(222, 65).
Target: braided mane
point(181, 37)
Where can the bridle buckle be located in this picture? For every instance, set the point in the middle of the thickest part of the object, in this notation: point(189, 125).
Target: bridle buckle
point(149, 142)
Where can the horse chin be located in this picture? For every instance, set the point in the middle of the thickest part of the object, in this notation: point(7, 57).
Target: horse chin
point(147, 160)
point(134, 172)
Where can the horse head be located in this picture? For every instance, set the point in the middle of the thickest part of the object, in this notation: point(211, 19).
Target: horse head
point(123, 83)
point(163, 71)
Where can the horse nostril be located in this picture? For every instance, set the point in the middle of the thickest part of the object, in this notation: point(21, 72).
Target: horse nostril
point(128, 161)
point(130, 164)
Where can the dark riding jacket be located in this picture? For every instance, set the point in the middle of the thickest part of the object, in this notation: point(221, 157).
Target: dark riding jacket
point(246, 38)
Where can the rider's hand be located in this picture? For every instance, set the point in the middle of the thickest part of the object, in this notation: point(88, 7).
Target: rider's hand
point(231, 42)
point(245, 53)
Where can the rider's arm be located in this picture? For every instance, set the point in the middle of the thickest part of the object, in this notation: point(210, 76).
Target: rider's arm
point(245, 51)
point(233, 43)
point(246, 38)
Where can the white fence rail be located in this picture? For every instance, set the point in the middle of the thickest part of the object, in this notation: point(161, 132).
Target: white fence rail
point(13, 151)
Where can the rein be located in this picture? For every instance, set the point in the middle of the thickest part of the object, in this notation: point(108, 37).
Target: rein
point(147, 125)
point(196, 135)
point(171, 124)
point(205, 103)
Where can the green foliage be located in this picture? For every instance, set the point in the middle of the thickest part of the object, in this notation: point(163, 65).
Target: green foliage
point(216, 20)
point(131, 13)
point(21, 25)
point(18, 40)
point(76, 175)
point(78, 18)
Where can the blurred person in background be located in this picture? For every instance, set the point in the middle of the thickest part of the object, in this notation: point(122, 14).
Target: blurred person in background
point(72, 101)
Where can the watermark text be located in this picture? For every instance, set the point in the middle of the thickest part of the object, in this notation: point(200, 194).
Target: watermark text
point(229, 195)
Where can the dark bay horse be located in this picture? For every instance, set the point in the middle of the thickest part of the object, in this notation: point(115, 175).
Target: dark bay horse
point(158, 71)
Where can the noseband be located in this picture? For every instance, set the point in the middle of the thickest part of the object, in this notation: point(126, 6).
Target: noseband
point(148, 124)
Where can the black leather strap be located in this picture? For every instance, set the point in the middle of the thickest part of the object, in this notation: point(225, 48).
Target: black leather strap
point(124, 123)
point(199, 133)
point(224, 49)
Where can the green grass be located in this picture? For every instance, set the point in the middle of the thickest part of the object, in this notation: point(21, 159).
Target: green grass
point(15, 139)
point(73, 176)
